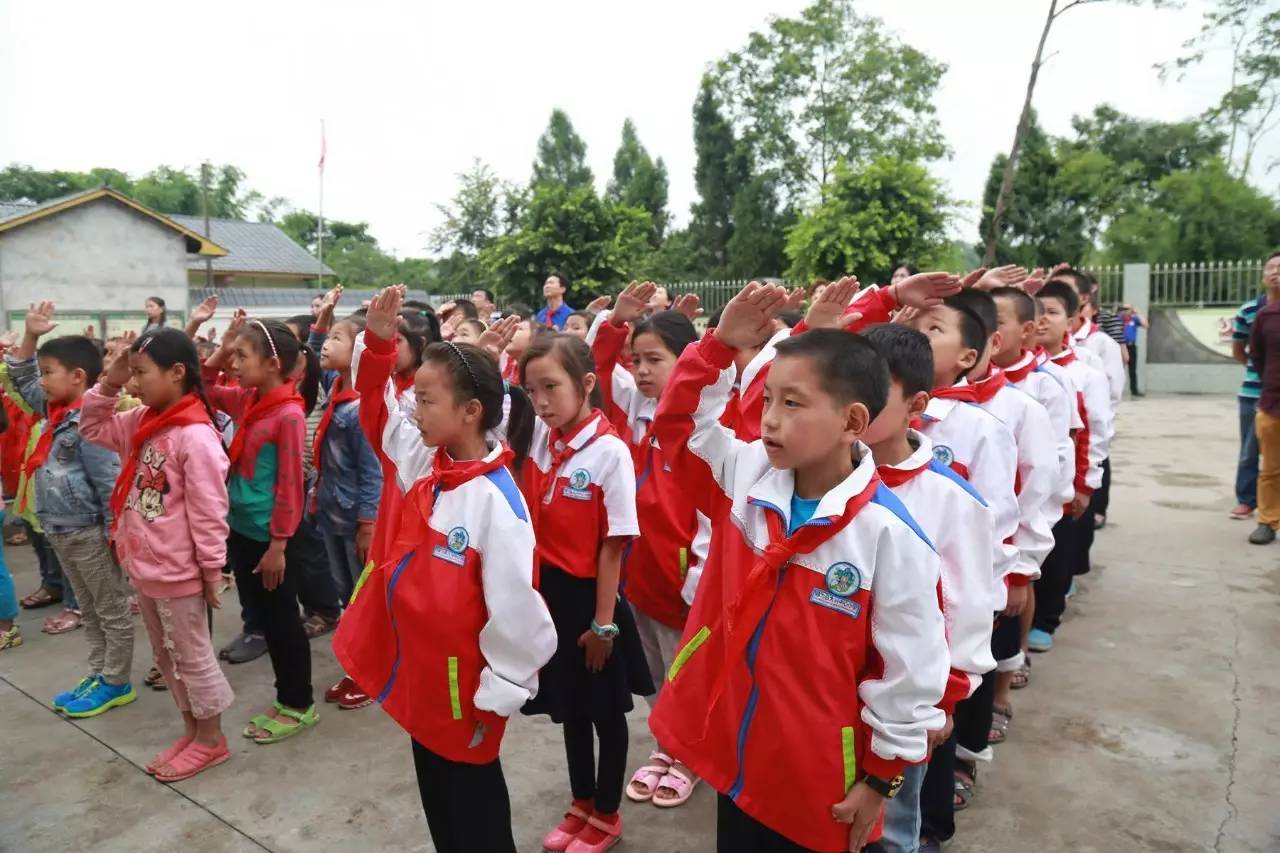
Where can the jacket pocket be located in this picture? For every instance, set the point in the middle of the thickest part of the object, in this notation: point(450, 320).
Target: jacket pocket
point(682, 657)
point(455, 697)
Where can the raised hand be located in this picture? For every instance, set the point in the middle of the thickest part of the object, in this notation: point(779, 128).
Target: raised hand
point(688, 304)
point(973, 278)
point(925, 289)
point(747, 321)
point(826, 310)
point(238, 319)
point(498, 336)
point(632, 302)
point(117, 362)
point(383, 317)
point(40, 319)
point(324, 320)
point(595, 306)
point(1034, 282)
point(1058, 268)
point(203, 312)
point(795, 299)
point(1001, 276)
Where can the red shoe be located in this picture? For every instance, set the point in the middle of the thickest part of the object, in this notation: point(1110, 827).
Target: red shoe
point(575, 820)
point(600, 833)
point(354, 698)
point(337, 691)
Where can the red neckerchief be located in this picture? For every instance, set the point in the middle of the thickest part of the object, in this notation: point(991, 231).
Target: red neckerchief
point(1020, 371)
point(188, 410)
point(1064, 358)
point(985, 389)
point(58, 412)
point(511, 369)
point(282, 395)
point(403, 381)
point(967, 393)
point(761, 583)
point(337, 396)
point(543, 481)
point(419, 501)
point(894, 477)
point(1041, 355)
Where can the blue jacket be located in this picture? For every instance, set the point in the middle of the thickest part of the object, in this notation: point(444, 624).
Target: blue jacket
point(350, 481)
point(73, 486)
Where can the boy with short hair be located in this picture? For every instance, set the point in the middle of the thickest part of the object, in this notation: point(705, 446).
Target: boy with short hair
point(1093, 398)
point(958, 522)
point(74, 480)
point(814, 655)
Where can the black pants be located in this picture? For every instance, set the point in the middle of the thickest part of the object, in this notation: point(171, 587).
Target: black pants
point(307, 556)
point(1133, 369)
point(281, 625)
point(937, 794)
point(603, 785)
point(1098, 504)
point(973, 716)
point(738, 832)
point(467, 806)
point(1101, 500)
point(1055, 576)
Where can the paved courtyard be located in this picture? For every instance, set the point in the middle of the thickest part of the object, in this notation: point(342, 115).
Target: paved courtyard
point(1150, 727)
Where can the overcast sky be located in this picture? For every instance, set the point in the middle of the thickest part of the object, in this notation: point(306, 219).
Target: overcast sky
point(412, 91)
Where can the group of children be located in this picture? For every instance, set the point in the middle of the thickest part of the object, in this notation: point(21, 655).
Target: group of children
point(820, 549)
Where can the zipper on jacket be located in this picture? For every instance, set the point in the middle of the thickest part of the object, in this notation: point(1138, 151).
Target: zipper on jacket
point(753, 647)
point(391, 615)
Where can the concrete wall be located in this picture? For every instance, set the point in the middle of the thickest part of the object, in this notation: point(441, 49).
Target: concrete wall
point(98, 258)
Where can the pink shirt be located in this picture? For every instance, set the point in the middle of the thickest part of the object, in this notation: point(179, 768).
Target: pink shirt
point(173, 532)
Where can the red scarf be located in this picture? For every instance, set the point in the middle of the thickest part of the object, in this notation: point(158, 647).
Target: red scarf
point(403, 381)
point(58, 412)
point(985, 389)
point(420, 500)
point(284, 394)
point(967, 393)
point(761, 583)
point(1064, 358)
point(337, 396)
point(541, 482)
point(1022, 369)
point(188, 410)
point(894, 477)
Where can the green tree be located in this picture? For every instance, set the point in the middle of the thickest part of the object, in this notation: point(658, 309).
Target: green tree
point(870, 219)
point(562, 155)
point(829, 85)
point(473, 219)
point(639, 181)
point(722, 166)
point(757, 247)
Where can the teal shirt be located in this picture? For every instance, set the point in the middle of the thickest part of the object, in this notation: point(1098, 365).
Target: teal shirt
point(253, 500)
point(801, 511)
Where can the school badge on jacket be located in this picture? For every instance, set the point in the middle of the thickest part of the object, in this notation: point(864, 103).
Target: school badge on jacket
point(843, 580)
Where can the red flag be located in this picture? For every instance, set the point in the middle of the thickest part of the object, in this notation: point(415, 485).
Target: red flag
point(324, 148)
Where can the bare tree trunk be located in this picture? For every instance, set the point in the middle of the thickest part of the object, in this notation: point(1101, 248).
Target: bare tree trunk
point(1011, 165)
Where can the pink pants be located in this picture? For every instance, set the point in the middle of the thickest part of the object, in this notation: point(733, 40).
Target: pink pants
point(179, 631)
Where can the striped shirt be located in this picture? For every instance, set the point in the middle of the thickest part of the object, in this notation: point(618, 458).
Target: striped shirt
point(1251, 388)
point(1112, 324)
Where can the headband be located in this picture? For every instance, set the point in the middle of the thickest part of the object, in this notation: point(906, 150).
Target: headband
point(270, 342)
point(475, 383)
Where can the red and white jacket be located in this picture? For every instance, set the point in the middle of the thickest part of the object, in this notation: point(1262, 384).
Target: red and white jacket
point(582, 489)
point(1091, 338)
point(973, 443)
point(807, 660)
point(448, 633)
point(1053, 390)
point(1037, 470)
point(959, 523)
point(1093, 443)
point(661, 567)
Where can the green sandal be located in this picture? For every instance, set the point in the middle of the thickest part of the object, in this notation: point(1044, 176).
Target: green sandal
point(259, 722)
point(279, 731)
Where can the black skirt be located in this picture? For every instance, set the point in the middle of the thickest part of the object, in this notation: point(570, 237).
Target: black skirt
point(567, 690)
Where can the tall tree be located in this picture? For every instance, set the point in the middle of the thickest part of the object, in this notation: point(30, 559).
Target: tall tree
point(1057, 8)
point(757, 247)
point(722, 167)
point(640, 182)
point(562, 155)
point(473, 219)
point(829, 85)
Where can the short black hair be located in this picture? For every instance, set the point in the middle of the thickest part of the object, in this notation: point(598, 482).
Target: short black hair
point(973, 329)
point(74, 352)
point(418, 305)
point(564, 280)
point(791, 318)
point(981, 304)
point(907, 353)
point(1080, 281)
point(674, 329)
point(488, 294)
point(519, 309)
point(1023, 305)
point(467, 307)
point(1270, 257)
point(1062, 292)
point(714, 319)
point(849, 368)
point(302, 324)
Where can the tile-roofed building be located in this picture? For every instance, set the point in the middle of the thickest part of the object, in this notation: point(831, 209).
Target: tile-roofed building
point(258, 253)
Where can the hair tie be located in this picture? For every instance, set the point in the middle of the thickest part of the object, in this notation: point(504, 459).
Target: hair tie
point(475, 383)
point(270, 342)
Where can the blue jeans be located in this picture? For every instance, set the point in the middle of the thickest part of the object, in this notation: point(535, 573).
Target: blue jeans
point(343, 563)
point(8, 597)
point(1247, 465)
point(51, 577)
point(902, 813)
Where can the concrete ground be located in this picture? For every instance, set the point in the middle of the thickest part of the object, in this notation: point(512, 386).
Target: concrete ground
point(1151, 726)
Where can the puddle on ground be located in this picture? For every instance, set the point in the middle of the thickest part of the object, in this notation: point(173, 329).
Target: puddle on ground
point(1187, 478)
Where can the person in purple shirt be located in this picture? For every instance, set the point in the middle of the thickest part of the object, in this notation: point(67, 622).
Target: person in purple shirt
point(556, 311)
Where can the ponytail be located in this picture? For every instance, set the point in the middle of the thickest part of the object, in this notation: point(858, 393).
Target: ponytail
point(520, 422)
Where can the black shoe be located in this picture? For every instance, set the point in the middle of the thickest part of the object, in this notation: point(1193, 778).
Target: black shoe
point(1263, 534)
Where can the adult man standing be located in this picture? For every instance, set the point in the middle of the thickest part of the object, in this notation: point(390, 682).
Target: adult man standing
point(556, 311)
point(1264, 360)
point(485, 306)
point(1133, 321)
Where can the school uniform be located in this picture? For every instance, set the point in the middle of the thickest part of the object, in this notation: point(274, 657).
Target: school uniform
point(447, 633)
point(960, 525)
point(813, 654)
point(1092, 339)
point(1052, 389)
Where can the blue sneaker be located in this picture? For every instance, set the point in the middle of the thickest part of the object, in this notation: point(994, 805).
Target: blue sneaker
point(65, 698)
point(100, 699)
point(1039, 641)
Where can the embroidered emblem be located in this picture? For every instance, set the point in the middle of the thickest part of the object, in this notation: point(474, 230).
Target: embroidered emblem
point(943, 454)
point(577, 489)
point(843, 579)
point(458, 540)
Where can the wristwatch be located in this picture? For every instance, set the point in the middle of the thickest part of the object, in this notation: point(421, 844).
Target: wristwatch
point(604, 632)
point(887, 788)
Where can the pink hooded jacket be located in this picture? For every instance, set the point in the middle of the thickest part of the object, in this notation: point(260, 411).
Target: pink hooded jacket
point(172, 534)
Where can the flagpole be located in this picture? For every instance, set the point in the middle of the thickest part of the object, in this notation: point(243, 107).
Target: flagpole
point(320, 232)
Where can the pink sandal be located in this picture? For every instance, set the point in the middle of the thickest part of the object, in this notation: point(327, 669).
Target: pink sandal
point(650, 777)
point(195, 758)
point(598, 835)
point(575, 820)
point(683, 784)
point(167, 755)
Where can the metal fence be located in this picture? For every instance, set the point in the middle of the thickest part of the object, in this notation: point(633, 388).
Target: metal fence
point(1207, 284)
